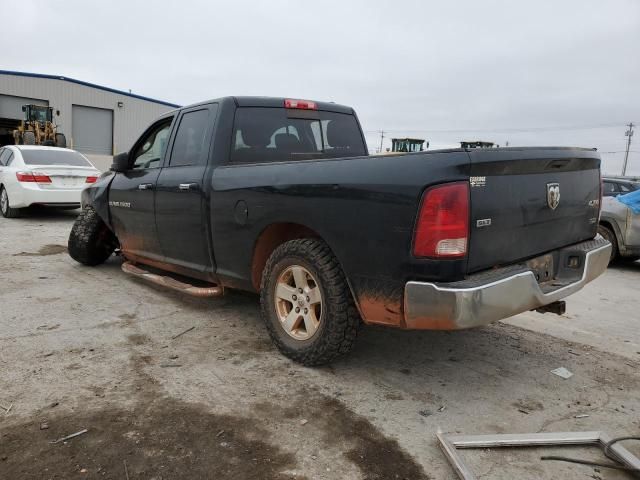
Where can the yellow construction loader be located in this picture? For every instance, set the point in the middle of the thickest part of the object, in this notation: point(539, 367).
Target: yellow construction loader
point(38, 128)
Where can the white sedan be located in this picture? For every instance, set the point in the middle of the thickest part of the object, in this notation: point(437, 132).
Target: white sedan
point(35, 175)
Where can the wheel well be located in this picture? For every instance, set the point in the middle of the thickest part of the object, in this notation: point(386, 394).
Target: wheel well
point(271, 238)
point(608, 224)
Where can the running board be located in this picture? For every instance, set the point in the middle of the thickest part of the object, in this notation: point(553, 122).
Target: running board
point(172, 283)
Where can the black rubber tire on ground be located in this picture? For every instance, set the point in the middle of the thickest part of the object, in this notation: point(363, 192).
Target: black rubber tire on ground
point(339, 320)
point(49, 143)
point(28, 138)
point(630, 259)
point(91, 242)
point(5, 208)
point(611, 237)
point(61, 140)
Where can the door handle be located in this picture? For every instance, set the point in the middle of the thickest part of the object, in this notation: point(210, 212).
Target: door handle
point(145, 186)
point(188, 186)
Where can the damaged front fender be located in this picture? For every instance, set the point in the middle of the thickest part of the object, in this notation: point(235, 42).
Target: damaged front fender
point(97, 196)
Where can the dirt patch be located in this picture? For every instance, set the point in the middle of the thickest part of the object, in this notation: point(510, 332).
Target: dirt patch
point(161, 439)
point(375, 455)
point(51, 249)
point(138, 339)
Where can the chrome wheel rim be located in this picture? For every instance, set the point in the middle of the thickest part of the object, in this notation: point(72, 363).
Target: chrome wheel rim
point(298, 302)
point(4, 201)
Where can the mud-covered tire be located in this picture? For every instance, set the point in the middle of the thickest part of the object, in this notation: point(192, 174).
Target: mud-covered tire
point(91, 242)
point(608, 235)
point(29, 138)
point(339, 319)
point(61, 140)
point(5, 205)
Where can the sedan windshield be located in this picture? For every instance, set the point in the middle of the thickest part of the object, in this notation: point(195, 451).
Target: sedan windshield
point(54, 157)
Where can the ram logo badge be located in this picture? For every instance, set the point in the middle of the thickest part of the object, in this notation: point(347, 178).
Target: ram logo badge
point(553, 195)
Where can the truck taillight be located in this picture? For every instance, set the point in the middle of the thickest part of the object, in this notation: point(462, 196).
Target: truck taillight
point(30, 177)
point(442, 229)
point(300, 104)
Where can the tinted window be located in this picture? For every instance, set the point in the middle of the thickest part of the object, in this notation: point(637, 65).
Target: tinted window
point(151, 149)
point(4, 154)
point(609, 189)
point(9, 160)
point(272, 134)
point(54, 157)
point(189, 147)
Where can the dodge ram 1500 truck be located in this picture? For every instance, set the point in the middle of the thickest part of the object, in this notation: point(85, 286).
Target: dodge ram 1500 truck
point(279, 196)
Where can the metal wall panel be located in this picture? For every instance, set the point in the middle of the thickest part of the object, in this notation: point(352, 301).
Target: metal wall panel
point(131, 115)
point(92, 129)
point(11, 106)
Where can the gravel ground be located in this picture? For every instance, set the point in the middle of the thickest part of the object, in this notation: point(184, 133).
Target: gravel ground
point(92, 348)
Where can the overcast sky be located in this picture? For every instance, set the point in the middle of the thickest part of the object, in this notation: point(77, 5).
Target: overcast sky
point(554, 72)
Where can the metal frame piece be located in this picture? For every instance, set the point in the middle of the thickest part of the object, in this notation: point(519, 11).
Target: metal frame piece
point(451, 443)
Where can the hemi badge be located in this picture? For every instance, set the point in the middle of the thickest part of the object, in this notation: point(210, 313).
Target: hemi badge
point(478, 181)
point(485, 222)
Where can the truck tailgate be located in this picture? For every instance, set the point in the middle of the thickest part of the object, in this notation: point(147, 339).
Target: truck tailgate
point(528, 201)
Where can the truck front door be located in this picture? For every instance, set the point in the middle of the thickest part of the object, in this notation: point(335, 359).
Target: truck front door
point(132, 194)
point(181, 194)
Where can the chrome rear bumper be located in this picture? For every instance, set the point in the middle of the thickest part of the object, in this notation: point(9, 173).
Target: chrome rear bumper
point(491, 296)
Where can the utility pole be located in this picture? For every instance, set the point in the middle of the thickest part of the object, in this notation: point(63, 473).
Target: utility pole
point(381, 139)
point(628, 134)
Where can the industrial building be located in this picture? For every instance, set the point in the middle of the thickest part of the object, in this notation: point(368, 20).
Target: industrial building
point(96, 120)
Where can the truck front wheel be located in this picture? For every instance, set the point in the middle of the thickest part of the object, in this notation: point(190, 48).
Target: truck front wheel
point(306, 303)
point(91, 242)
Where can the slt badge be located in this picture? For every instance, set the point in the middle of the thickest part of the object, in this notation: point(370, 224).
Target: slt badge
point(553, 195)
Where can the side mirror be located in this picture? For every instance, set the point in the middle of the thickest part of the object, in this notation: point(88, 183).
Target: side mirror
point(120, 162)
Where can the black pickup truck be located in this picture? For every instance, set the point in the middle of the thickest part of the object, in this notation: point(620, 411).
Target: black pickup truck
point(280, 196)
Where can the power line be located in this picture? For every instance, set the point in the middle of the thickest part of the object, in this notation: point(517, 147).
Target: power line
point(628, 134)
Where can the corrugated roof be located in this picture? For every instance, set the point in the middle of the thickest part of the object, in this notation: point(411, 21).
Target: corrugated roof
point(86, 84)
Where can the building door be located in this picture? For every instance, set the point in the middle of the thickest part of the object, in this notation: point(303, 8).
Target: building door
point(92, 130)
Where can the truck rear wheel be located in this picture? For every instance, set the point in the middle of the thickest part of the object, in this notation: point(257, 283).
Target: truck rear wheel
point(306, 303)
point(91, 242)
point(29, 138)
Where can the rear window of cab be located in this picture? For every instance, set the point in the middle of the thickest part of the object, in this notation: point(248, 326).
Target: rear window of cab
point(263, 134)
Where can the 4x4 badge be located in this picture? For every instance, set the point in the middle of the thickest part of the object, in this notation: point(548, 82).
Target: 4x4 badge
point(553, 195)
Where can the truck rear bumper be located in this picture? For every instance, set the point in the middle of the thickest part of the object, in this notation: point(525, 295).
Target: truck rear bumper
point(493, 295)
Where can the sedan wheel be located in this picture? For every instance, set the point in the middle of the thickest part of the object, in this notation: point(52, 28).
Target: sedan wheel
point(5, 208)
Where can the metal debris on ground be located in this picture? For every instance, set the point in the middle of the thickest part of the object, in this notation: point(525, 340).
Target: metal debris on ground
point(450, 444)
point(182, 333)
point(44, 426)
point(64, 439)
point(562, 373)
point(165, 365)
point(126, 470)
point(6, 409)
point(220, 433)
point(442, 408)
point(304, 421)
point(581, 416)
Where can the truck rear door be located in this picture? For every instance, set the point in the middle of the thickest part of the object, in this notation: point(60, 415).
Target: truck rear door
point(179, 201)
point(526, 202)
